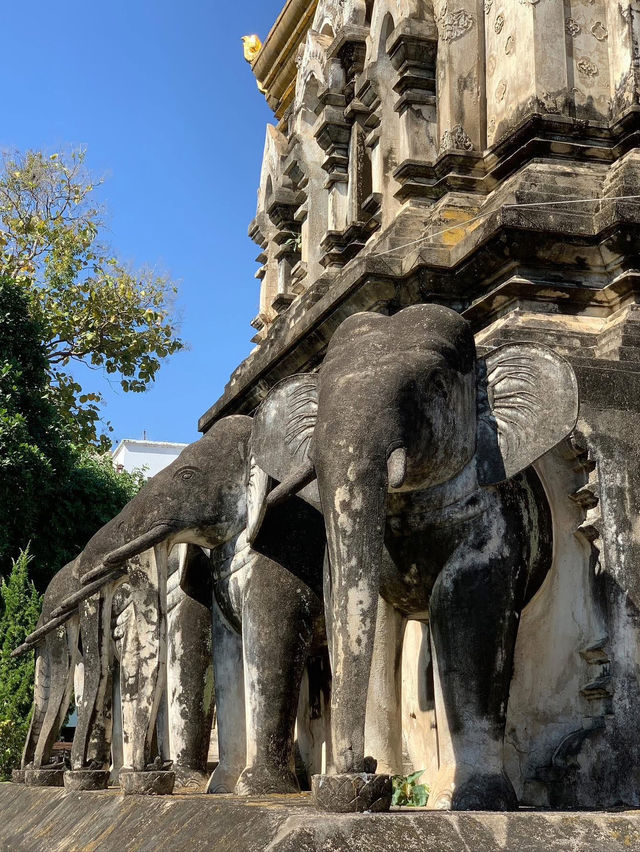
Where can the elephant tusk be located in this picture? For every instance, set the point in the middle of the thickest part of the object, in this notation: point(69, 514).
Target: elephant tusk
point(397, 467)
point(96, 576)
point(35, 637)
point(156, 535)
point(69, 604)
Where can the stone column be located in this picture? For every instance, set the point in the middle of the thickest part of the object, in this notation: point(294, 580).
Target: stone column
point(461, 75)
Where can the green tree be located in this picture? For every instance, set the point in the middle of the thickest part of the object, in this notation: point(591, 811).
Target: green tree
point(92, 308)
point(91, 494)
point(20, 611)
point(35, 450)
point(52, 493)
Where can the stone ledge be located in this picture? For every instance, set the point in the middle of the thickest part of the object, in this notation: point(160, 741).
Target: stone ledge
point(35, 820)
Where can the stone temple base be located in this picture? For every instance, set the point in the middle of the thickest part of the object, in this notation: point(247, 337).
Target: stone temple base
point(50, 820)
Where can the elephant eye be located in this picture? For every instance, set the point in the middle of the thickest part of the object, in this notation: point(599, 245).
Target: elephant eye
point(185, 473)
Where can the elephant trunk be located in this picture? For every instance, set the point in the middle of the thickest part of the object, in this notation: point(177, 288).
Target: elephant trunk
point(354, 507)
point(291, 485)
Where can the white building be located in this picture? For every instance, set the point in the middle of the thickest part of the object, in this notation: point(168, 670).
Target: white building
point(150, 456)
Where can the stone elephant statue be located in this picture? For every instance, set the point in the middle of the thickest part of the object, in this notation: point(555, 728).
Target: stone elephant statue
point(57, 655)
point(422, 452)
point(161, 658)
point(267, 609)
point(78, 657)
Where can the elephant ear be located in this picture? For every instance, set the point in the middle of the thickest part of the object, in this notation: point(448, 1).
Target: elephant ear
point(281, 442)
point(528, 402)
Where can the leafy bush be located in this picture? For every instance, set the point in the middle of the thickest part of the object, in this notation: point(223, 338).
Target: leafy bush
point(21, 608)
point(12, 738)
point(407, 792)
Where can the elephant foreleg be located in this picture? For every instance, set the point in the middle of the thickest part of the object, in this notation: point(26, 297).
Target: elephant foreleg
point(60, 648)
point(90, 630)
point(100, 735)
point(277, 628)
point(189, 687)
point(41, 688)
point(142, 664)
point(474, 623)
point(383, 728)
point(230, 704)
point(117, 739)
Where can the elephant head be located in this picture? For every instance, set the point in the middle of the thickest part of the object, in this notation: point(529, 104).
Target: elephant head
point(200, 498)
point(403, 403)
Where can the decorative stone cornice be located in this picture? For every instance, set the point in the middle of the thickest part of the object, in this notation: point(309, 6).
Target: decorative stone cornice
point(275, 66)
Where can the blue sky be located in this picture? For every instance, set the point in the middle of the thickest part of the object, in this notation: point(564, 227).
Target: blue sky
point(160, 95)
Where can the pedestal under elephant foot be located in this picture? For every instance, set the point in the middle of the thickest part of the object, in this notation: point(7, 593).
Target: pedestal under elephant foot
point(191, 779)
point(17, 776)
point(265, 781)
point(44, 777)
point(466, 789)
point(352, 792)
point(86, 779)
point(149, 783)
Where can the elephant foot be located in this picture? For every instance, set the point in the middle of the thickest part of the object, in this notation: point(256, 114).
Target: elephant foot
point(460, 788)
point(352, 792)
point(86, 779)
point(266, 780)
point(190, 779)
point(17, 776)
point(147, 783)
point(222, 780)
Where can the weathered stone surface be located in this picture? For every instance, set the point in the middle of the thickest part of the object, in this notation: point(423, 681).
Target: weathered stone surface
point(450, 139)
point(149, 783)
point(55, 821)
point(44, 777)
point(190, 779)
point(86, 779)
point(352, 793)
point(484, 158)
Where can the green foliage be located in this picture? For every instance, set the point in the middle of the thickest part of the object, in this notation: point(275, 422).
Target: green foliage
point(12, 739)
point(20, 610)
point(88, 497)
point(407, 792)
point(51, 492)
point(90, 306)
point(34, 448)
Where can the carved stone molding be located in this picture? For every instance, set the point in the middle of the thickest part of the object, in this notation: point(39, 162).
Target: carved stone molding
point(456, 139)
